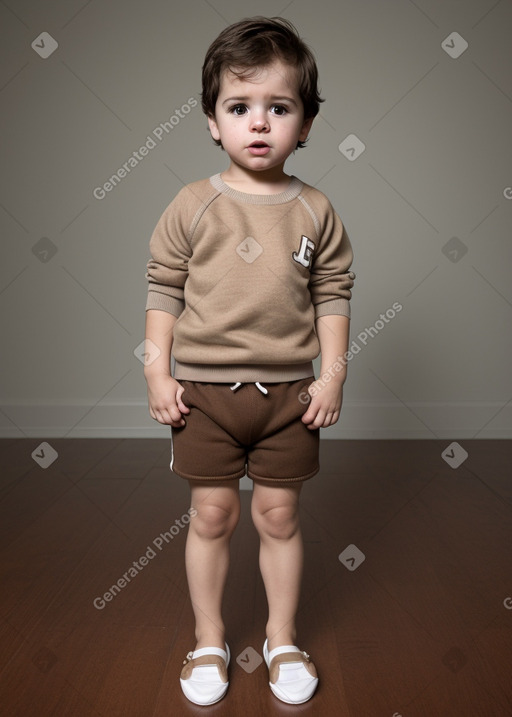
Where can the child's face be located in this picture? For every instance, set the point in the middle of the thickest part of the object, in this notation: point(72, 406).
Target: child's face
point(259, 121)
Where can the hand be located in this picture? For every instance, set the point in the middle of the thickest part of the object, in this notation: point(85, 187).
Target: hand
point(324, 409)
point(165, 404)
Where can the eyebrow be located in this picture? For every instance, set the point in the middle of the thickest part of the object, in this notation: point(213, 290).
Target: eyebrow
point(272, 99)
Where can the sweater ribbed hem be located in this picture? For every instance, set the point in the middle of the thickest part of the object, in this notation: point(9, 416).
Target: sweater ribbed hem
point(292, 192)
point(247, 373)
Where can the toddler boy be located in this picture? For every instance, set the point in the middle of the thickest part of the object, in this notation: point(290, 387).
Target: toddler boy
point(248, 281)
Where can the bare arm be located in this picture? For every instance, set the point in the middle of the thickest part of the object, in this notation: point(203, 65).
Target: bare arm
point(333, 335)
point(164, 392)
point(327, 390)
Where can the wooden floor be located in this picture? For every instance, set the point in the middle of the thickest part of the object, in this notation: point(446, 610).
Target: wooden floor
point(422, 627)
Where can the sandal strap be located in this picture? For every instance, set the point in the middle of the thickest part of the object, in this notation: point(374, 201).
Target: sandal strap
point(290, 657)
point(191, 662)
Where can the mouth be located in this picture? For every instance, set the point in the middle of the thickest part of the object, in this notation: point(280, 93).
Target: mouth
point(258, 147)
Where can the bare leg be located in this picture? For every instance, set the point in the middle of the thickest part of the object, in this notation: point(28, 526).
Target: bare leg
point(275, 514)
point(207, 555)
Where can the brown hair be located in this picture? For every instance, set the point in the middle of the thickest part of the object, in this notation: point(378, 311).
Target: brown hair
point(255, 42)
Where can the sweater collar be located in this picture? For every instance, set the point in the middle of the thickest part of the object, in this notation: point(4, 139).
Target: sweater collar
point(293, 191)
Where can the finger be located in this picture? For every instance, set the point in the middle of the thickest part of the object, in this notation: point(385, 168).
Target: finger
point(173, 412)
point(331, 418)
point(177, 424)
point(161, 417)
point(173, 416)
point(169, 421)
point(322, 414)
point(308, 417)
point(311, 413)
point(181, 405)
point(319, 420)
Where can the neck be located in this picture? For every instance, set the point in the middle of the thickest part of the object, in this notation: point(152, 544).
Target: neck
point(269, 181)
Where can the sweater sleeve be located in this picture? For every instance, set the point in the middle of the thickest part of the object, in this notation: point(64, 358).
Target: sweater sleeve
point(170, 250)
point(331, 279)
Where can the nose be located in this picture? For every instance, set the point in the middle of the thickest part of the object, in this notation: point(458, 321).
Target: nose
point(259, 123)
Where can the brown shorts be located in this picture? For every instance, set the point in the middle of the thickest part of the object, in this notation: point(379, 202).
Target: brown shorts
point(227, 430)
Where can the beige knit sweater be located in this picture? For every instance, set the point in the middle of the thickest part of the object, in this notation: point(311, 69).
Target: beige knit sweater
point(247, 275)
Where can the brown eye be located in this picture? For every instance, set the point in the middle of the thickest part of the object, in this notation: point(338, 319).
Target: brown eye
point(238, 109)
point(279, 110)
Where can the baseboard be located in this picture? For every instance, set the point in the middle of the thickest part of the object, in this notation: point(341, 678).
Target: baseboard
point(359, 420)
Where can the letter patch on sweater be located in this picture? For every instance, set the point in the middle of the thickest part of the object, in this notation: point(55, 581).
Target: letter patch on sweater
point(305, 253)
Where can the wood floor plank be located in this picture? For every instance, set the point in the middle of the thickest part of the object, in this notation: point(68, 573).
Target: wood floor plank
point(28, 497)
point(494, 645)
point(35, 568)
point(419, 628)
point(15, 461)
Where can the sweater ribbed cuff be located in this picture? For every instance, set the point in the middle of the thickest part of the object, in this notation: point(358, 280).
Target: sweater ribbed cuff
point(339, 307)
point(163, 302)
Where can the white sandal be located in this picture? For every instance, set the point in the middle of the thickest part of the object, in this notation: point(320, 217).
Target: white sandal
point(292, 676)
point(204, 677)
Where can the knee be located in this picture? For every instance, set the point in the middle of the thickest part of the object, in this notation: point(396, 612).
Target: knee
point(214, 521)
point(279, 522)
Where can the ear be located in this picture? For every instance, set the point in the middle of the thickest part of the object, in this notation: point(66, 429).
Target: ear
point(306, 127)
point(214, 130)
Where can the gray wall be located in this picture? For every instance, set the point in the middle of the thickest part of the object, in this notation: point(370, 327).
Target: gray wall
point(428, 204)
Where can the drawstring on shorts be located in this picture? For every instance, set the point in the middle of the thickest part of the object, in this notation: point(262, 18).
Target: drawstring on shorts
point(237, 385)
